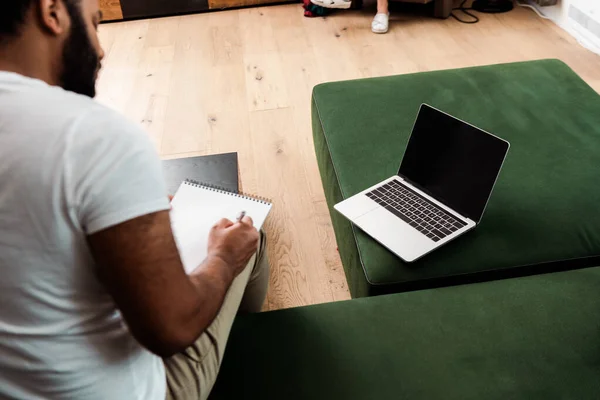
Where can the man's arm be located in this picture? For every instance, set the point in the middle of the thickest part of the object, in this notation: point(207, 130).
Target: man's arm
point(114, 184)
point(165, 309)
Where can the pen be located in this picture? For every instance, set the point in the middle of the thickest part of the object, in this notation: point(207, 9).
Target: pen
point(241, 216)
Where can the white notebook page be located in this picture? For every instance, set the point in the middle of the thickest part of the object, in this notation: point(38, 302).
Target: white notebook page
point(195, 211)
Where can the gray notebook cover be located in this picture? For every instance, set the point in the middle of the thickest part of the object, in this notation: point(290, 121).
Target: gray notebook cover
point(217, 170)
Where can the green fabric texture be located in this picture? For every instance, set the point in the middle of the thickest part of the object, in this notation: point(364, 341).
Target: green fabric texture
point(357, 283)
point(527, 338)
point(543, 215)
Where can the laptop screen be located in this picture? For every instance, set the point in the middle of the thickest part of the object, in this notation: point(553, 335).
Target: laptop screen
point(453, 161)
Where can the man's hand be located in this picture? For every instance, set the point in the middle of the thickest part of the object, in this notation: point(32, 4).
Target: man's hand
point(233, 243)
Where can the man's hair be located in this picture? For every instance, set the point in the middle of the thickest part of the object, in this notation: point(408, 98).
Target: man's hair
point(13, 12)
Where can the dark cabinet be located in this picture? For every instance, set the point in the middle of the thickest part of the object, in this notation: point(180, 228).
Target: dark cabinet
point(154, 8)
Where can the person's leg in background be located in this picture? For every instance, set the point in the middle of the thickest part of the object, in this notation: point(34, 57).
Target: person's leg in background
point(380, 23)
point(192, 373)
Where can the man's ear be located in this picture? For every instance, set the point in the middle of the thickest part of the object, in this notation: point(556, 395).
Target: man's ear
point(54, 17)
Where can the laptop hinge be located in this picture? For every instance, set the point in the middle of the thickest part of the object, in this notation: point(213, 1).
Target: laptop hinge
point(431, 195)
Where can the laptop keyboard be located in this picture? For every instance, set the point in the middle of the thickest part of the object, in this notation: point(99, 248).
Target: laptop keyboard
point(423, 215)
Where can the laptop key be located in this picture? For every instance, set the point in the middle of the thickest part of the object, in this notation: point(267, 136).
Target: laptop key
point(438, 233)
point(397, 214)
point(444, 231)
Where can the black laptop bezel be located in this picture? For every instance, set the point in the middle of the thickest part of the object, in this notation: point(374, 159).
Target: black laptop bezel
point(476, 219)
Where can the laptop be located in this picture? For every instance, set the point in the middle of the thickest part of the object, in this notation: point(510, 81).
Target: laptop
point(445, 180)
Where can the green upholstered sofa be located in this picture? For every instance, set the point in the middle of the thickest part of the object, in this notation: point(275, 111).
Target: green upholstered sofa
point(543, 214)
point(510, 337)
point(536, 337)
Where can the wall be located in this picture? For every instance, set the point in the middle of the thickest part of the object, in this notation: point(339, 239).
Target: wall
point(566, 14)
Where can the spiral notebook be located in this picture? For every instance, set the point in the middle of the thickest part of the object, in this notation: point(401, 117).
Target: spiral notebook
point(196, 207)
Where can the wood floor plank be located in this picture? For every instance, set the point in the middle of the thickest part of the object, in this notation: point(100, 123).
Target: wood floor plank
point(162, 32)
point(200, 99)
point(121, 63)
point(265, 82)
point(150, 96)
point(332, 57)
point(187, 112)
point(298, 274)
point(228, 118)
point(298, 60)
point(265, 88)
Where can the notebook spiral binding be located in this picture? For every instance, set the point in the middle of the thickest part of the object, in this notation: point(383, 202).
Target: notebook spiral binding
point(223, 190)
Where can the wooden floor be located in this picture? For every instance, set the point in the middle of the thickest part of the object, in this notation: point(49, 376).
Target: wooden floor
point(241, 81)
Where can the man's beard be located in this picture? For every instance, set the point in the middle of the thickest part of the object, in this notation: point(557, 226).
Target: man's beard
point(80, 60)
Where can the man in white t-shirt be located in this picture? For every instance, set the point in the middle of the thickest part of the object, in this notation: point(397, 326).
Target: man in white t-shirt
point(94, 300)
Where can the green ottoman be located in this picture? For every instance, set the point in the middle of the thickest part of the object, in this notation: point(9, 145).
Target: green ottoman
point(544, 214)
point(527, 338)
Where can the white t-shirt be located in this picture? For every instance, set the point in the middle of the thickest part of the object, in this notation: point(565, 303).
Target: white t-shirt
point(69, 167)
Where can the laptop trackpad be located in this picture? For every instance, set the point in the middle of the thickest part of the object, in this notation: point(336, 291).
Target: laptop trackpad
point(395, 234)
point(356, 206)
